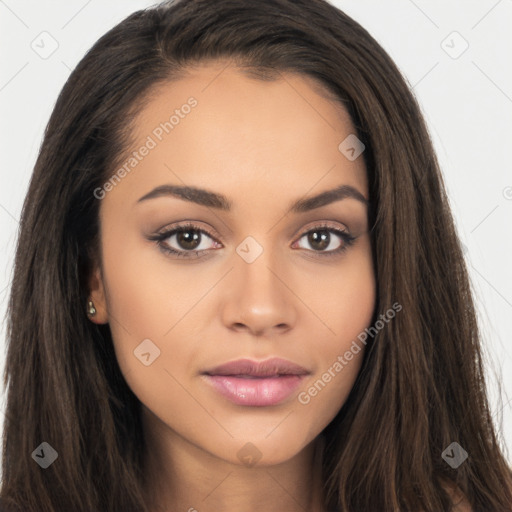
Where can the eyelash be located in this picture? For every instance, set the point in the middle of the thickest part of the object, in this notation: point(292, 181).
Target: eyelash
point(159, 238)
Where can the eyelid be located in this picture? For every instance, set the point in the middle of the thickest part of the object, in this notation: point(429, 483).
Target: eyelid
point(167, 232)
point(326, 224)
point(187, 224)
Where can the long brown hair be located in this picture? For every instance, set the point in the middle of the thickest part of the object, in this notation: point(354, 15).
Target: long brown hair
point(421, 386)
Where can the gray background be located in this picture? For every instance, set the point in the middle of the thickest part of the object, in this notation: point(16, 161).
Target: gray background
point(465, 95)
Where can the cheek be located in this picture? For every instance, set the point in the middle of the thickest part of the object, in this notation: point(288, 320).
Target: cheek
point(153, 313)
point(145, 302)
point(345, 304)
point(344, 299)
point(146, 292)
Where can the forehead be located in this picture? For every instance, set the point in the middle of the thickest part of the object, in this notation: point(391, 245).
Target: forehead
point(281, 134)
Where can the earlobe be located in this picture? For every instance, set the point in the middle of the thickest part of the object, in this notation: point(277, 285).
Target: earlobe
point(96, 306)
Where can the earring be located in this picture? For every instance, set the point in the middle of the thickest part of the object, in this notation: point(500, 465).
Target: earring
point(91, 310)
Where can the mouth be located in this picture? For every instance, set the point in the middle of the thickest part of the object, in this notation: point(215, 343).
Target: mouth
point(256, 384)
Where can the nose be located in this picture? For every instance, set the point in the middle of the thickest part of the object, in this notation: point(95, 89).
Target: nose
point(258, 299)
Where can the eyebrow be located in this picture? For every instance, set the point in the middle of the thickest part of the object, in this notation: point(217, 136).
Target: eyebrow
point(213, 200)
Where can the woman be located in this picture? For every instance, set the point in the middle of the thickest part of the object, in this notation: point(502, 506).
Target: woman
point(238, 285)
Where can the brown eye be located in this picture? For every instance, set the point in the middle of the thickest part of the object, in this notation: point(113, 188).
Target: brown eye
point(319, 240)
point(326, 240)
point(188, 239)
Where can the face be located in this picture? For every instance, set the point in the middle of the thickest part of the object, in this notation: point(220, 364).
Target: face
point(241, 266)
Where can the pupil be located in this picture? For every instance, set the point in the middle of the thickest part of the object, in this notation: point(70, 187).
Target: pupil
point(188, 241)
point(319, 241)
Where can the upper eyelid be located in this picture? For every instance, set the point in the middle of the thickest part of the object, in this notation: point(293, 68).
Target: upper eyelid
point(169, 232)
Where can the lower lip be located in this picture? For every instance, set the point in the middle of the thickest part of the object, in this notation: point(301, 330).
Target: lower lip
point(255, 392)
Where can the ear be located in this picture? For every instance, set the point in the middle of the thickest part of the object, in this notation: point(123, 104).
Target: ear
point(97, 296)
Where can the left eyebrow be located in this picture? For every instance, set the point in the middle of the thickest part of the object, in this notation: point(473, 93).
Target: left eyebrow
point(327, 197)
point(218, 201)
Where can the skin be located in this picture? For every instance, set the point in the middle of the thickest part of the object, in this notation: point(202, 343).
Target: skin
point(264, 145)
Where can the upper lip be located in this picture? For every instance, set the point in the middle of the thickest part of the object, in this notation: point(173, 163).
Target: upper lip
point(269, 368)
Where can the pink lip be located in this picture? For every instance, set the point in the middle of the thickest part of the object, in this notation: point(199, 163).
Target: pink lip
point(253, 383)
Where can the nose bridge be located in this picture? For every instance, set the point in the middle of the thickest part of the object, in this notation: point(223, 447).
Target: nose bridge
point(256, 268)
point(258, 297)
